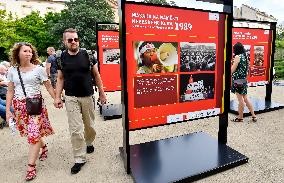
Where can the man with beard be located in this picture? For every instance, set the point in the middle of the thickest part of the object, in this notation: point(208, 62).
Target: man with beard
point(75, 76)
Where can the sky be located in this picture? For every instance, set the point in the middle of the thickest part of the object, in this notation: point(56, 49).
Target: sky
point(271, 7)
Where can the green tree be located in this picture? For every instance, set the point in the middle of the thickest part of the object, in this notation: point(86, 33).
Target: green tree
point(33, 29)
point(50, 20)
point(173, 3)
point(280, 36)
point(8, 34)
point(162, 2)
point(83, 15)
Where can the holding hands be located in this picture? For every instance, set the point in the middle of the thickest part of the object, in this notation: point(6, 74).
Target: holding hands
point(58, 103)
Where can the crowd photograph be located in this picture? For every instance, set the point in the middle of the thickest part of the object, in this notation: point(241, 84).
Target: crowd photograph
point(111, 56)
point(197, 57)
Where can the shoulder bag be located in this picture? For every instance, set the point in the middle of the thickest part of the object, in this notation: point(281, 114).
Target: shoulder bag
point(33, 104)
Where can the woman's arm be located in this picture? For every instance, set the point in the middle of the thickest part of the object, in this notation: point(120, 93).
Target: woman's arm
point(9, 97)
point(49, 88)
point(235, 64)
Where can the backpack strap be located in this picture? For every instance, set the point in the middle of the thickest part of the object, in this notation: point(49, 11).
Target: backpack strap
point(60, 55)
point(89, 57)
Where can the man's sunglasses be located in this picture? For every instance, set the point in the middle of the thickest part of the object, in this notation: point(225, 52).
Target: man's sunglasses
point(70, 40)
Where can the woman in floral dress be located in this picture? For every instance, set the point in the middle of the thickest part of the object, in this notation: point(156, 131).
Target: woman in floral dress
point(34, 127)
point(239, 71)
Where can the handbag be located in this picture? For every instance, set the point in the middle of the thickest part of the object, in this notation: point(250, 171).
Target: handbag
point(33, 104)
point(239, 83)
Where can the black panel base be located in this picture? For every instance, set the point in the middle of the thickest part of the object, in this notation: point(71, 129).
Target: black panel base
point(184, 158)
point(110, 111)
point(259, 105)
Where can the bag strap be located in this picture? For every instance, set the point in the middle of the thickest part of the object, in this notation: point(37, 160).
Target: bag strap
point(21, 80)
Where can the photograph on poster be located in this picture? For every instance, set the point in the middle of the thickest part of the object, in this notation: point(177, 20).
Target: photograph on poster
point(155, 57)
point(247, 51)
point(195, 87)
point(197, 56)
point(111, 56)
point(258, 55)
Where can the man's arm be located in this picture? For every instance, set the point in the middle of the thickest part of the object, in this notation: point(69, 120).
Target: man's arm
point(49, 88)
point(58, 90)
point(47, 67)
point(99, 84)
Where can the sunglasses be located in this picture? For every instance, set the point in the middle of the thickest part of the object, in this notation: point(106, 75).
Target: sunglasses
point(70, 40)
point(23, 43)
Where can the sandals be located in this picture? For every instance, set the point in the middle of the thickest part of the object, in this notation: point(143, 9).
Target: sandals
point(32, 173)
point(238, 120)
point(43, 155)
point(254, 119)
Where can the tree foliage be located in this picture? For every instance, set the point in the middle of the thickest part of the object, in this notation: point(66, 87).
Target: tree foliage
point(47, 31)
point(7, 34)
point(83, 15)
point(162, 2)
point(280, 36)
point(32, 28)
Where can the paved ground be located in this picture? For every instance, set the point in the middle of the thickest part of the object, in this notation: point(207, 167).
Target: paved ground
point(262, 142)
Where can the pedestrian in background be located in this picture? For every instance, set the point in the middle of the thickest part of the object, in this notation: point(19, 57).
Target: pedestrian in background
point(240, 69)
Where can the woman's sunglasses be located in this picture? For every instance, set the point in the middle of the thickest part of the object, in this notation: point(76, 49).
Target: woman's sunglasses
point(70, 40)
point(23, 43)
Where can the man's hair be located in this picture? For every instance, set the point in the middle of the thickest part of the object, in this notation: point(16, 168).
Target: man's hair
point(51, 49)
point(69, 30)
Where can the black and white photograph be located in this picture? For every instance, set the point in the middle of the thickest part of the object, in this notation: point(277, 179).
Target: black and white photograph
point(197, 57)
point(247, 51)
point(111, 56)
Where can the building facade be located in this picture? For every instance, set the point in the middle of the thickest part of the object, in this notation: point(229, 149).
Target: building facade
point(251, 13)
point(22, 8)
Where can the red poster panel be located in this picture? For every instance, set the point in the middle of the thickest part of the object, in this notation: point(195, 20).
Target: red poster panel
point(175, 64)
point(109, 59)
point(257, 43)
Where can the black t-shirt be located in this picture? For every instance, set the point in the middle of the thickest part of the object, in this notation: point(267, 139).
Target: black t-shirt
point(77, 74)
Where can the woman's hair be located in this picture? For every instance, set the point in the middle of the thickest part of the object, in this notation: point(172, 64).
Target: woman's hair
point(15, 59)
point(238, 48)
